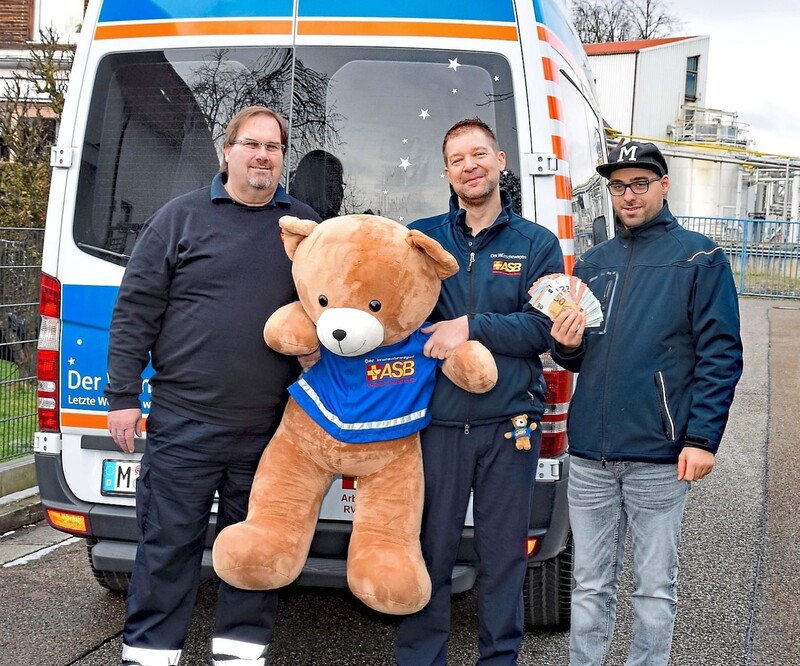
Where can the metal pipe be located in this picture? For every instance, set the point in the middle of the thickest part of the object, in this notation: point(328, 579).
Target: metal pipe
point(739, 212)
point(786, 193)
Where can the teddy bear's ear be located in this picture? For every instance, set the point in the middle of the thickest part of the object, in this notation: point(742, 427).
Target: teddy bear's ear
point(294, 231)
point(442, 261)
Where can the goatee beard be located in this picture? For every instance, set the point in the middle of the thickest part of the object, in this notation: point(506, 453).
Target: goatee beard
point(262, 183)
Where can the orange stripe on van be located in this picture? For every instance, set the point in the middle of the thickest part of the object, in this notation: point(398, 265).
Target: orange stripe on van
point(551, 72)
point(563, 188)
point(96, 421)
point(555, 108)
point(543, 33)
point(99, 421)
point(407, 29)
point(547, 35)
point(552, 39)
point(559, 147)
point(193, 28)
point(565, 227)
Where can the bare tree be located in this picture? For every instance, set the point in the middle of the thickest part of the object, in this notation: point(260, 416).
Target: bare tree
point(622, 20)
point(221, 89)
point(651, 19)
point(601, 20)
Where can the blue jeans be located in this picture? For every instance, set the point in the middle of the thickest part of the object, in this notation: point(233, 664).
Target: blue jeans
point(605, 502)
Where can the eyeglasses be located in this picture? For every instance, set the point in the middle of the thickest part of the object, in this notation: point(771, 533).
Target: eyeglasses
point(254, 146)
point(617, 189)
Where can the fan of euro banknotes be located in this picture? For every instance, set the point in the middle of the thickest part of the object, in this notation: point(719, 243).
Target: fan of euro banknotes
point(553, 293)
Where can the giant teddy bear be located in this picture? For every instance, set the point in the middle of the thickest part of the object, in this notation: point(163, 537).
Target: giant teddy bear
point(366, 284)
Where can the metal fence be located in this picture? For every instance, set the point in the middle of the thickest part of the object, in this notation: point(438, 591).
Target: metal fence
point(20, 267)
point(764, 254)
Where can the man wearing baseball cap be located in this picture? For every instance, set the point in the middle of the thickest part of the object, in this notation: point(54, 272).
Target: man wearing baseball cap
point(656, 382)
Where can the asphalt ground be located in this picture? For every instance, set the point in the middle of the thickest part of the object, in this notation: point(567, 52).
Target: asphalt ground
point(738, 589)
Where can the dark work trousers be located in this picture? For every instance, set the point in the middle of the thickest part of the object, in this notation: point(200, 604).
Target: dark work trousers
point(184, 464)
point(502, 479)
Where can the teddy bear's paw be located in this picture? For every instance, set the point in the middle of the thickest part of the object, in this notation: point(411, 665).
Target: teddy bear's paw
point(253, 576)
point(394, 583)
point(246, 559)
point(471, 367)
point(392, 599)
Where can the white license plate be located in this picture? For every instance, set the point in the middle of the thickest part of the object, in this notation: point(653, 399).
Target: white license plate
point(120, 477)
point(339, 501)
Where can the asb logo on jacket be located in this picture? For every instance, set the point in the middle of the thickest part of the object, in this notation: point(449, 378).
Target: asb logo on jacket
point(391, 371)
point(507, 264)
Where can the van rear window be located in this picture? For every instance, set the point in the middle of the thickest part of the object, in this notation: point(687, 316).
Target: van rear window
point(366, 127)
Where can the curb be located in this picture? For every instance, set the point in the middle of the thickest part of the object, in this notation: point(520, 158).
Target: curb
point(20, 503)
point(22, 508)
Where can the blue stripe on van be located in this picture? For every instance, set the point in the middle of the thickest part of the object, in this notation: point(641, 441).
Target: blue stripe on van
point(485, 10)
point(86, 312)
point(144, 10)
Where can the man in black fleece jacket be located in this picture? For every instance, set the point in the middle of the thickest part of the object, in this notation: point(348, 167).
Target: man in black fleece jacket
point(207, 271)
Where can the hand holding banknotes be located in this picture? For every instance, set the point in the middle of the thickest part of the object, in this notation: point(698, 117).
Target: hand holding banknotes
point(569, 304)
point(568, 328)
point(552, 294)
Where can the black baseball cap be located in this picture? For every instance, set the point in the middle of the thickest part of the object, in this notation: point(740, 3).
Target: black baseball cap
point(633, 155)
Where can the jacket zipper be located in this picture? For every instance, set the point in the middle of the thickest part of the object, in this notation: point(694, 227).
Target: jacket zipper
point(669, 422)
point(620, 301)
point(470, 314)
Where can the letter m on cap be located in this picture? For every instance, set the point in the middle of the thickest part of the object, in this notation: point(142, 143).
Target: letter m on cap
point(627, 154)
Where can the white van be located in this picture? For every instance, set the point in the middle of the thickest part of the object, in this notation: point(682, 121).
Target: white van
point(374, 85)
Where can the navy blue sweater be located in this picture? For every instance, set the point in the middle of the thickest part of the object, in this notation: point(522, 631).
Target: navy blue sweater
point(203, 277)
point(661, 371)
point(497, 267)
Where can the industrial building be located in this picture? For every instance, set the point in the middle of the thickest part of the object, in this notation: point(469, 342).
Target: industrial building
point(656, 90)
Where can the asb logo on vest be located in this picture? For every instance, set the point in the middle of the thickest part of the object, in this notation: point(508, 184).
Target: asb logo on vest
point(391, 371)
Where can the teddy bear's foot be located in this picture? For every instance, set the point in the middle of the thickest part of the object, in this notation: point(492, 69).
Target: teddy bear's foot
point(252, 558)
point(390, 579)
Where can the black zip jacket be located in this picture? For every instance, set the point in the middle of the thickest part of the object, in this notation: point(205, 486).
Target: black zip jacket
point(660, 372)
point(497, 267)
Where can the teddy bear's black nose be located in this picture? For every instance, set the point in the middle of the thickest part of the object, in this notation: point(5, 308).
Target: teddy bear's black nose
point(339, 334)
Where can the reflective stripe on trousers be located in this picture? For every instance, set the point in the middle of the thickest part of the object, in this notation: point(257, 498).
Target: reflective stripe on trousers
point(227, 652)
point(136, 656)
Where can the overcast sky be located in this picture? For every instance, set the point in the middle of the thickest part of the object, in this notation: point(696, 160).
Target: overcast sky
point(754, 64)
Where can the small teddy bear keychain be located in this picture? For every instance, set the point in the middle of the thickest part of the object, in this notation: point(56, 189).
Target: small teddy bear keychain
point(522, 432)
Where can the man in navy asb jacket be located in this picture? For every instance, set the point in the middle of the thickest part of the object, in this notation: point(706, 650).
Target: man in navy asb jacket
point(500, 255)
point(656, 383)
point(491, 288)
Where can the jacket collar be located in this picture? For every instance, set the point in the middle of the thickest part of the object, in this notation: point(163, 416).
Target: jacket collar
point(658, 225)
point(220, 195)
point(458, 215)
